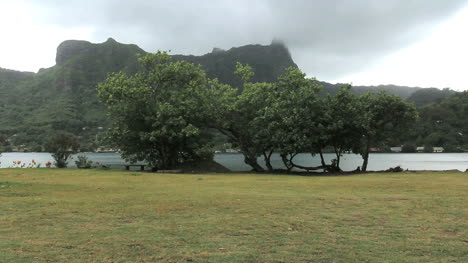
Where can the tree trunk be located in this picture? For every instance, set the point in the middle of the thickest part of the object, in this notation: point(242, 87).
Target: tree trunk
point(252, 161)
point(332, 168)
point(267, 157)
point(322, 159)
point(338, 158)
point(314, 168)
point(287, 162)
point(168, 157)
point(365, 157)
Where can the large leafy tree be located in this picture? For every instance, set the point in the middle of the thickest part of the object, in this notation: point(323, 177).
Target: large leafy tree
point(242, 117)
point(299, 113)
point(341, 122)
point(159, 113)
point(384, 117)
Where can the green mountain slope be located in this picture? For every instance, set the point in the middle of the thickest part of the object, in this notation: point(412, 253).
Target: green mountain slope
point(402, 91)
point(63, 97)
point(444, 124)
point(430, 95)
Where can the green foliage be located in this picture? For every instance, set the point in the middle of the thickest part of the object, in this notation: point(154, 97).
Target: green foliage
point(384, 117)
point(245, 72)
point(341, 123)
point(444, 124)
point(242, 115)
point(290, 117)
point(408, 148)
point(427, 96)
point(82, 162)
point(158, 113)
point(401, 91)
point(299, 111)
point(62, 145)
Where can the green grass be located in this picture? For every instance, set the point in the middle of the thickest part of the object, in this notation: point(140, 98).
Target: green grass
point(52, 215)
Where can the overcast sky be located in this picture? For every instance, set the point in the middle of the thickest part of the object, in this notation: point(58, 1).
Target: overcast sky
point(366, 42)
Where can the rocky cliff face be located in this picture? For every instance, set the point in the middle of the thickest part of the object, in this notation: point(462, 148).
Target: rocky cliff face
point(69, 49)
point(268, 62)
point(81, 64)
point(83, 60)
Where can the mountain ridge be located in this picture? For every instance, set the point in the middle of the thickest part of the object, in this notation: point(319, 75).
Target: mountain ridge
point(68, 48)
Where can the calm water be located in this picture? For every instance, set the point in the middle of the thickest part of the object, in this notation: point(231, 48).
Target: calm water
point(234, 162)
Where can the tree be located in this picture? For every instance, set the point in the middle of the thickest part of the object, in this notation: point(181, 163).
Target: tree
point(383, 117)
point(252, 123)
point(242, 117)
point(341, 124)
point(408, 148)
point(159, 113)
point(299, 113)
point(62, 145)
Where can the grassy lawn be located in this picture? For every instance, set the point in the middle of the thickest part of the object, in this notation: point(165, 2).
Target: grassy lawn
point(52, 215)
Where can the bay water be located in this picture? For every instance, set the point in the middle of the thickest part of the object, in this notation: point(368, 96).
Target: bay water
point(235, 161)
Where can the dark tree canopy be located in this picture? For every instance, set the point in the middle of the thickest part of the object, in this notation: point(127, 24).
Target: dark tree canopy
point(384, 117)
point(158, 113)
point(443, 124)
point(242, 116)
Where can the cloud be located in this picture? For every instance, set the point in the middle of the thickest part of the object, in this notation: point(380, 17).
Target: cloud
point(327, 38)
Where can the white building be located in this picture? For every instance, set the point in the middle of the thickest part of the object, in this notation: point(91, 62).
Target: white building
point(438, 149)
point(396, 149)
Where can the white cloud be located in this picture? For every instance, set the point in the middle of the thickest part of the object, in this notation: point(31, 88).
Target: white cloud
point(27, 44)
point(440, 60)
point(328, 39)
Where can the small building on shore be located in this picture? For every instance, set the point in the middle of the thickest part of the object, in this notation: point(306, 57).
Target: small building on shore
point(438, 149)
point(420, 149)
point(396, 149)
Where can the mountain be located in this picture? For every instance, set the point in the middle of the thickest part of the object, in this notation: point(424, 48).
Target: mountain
point(63, 97)
point(268, 62)
point(401, 91)
point(429, 95)
point(443, 123)
point(12, 77)
point(9, 79)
